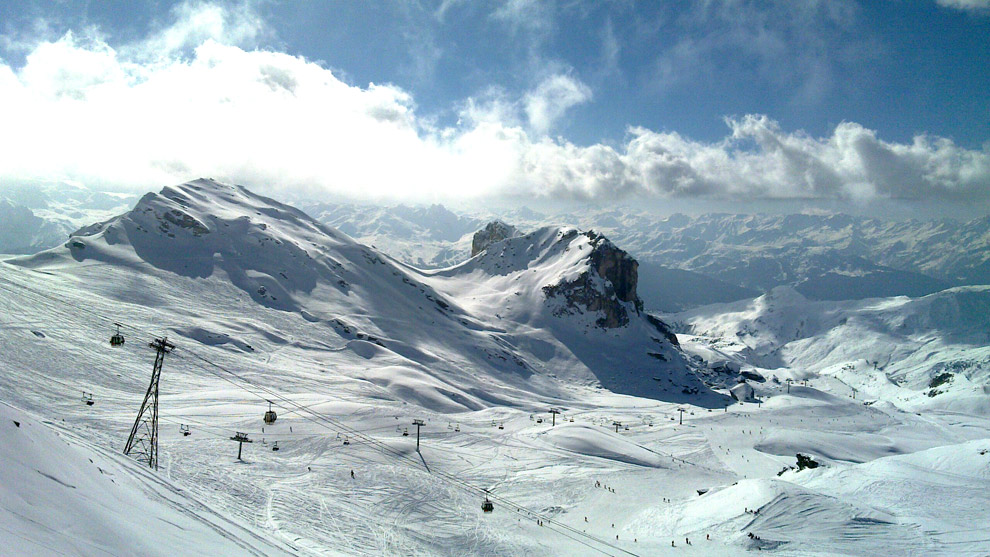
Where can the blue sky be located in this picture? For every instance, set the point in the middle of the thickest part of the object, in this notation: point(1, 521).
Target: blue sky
point(580, 99)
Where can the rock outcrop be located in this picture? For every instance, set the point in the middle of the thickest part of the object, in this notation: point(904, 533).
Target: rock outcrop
point(495, 231)
point(609, 286)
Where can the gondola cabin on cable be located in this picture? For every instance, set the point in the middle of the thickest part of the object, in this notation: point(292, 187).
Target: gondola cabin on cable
point(117, 339)
point(270, 415)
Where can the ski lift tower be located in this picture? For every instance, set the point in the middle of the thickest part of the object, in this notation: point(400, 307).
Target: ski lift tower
point(143, 440)
point(681, 422)
point(418, 423)
point(241, 438)
point(553, 414)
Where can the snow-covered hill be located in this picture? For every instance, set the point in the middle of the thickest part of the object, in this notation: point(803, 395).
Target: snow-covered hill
point(40, 216)
point(350, 346)
point(730, 257)
point(932, 351)
point(205, 239)
point(63, 495)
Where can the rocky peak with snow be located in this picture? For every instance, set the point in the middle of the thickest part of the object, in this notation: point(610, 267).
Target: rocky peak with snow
point(494, 231)
point(608, 285)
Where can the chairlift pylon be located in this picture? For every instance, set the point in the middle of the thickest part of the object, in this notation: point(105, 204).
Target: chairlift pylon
point(270, 415)
point(117, 339)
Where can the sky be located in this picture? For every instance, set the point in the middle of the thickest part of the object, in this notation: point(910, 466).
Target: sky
point(721, 103)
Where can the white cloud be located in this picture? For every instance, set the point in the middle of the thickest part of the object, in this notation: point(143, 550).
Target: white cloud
point(970, 5)
point(79, 110)
point(546, 104)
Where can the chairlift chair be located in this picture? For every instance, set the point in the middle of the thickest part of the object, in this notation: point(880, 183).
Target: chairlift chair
point(457, 427)
point(185, 430)
point(347, 441)
point(275, 446)
point(87, 398)
point(270, 415)
point(487, 505)
point(501, 426)
point(405, 432)
point(117, 339)
point(539, 420)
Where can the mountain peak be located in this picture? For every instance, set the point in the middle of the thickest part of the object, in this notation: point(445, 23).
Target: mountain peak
point(494, 231)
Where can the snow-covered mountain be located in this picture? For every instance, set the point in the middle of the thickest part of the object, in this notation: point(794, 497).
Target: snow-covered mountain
point(830, 257)
point(37, 217)
point(425, 237)
point(350, 345)
point(567, 318)
point(730, 257)
point(931, 352)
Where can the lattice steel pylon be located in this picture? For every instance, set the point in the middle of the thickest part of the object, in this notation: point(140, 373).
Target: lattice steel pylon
point(143, 441)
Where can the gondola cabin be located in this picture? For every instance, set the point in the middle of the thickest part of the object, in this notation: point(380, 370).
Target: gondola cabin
point(270, 415)
point(117, 339)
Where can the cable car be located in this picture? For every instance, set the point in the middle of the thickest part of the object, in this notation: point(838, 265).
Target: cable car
point(117, 339)
point(270, 415)
point(87, 398)
point(185, 430)
point(487, 505)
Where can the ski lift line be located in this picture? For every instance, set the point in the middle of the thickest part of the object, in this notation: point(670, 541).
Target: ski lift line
point(318, 418)
point(331, 424)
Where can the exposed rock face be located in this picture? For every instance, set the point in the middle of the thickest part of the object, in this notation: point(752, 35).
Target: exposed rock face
point(614, 265)
point(495, 231)
point(608, 287)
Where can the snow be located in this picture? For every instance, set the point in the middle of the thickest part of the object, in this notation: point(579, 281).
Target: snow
point(62, 495)
point(351, 344)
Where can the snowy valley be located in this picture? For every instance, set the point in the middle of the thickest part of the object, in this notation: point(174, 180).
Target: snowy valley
point(688, 361)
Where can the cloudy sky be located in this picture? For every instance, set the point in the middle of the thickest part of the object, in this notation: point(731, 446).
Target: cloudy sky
point(721, 101)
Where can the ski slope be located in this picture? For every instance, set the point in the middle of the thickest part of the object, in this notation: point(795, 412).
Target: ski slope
point(618, 474)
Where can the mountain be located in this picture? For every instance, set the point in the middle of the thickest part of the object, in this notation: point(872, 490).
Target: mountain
point(829, 257)
point(425, 237)
point(270, 309)
point(40, 216)
point(21, 231)
point(574, 319)
point(927, 352)
point(729, 257)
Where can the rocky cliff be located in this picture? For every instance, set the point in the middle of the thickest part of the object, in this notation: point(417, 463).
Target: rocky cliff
point(495, 231)
point(608, 286)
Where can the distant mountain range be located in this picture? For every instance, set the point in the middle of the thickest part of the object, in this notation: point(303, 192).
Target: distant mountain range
point(685, 261)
